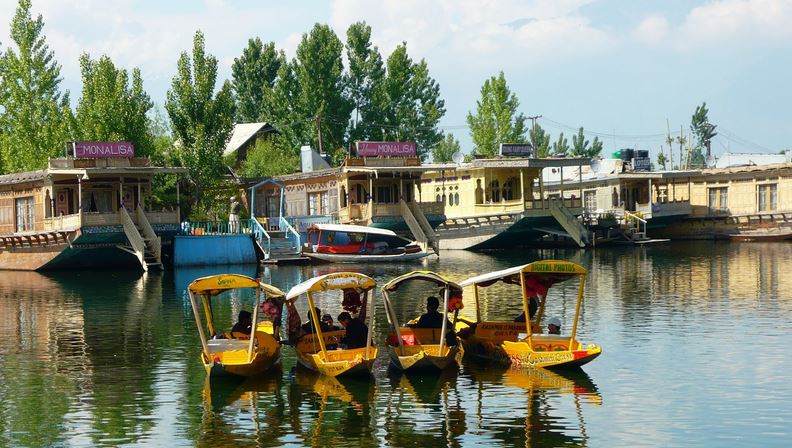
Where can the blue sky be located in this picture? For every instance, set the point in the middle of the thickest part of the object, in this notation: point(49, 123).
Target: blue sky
point(620, 68)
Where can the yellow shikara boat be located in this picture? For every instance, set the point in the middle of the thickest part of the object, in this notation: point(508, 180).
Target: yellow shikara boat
point(321, 351)
point(236, 353)
point(523, 344)
point(416, 349)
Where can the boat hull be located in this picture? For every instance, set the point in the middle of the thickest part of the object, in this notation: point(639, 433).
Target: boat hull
point(350, 258)
point(425, 358)
point(235, 363)
point(759, 236)
point(521, 354)
point(340, 362)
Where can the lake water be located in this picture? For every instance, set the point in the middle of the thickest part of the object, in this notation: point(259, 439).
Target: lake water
point(693, 339)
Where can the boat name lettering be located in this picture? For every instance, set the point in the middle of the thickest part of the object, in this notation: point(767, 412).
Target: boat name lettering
point(342, 281)
point(553, 268)
point(225, 281)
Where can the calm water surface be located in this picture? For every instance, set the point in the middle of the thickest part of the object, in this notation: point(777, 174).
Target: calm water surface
point(693, 335)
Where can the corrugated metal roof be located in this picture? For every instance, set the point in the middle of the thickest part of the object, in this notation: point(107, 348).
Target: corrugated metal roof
point(242, 133)
point(728, 160)
point(18, 178)
point(747, 169)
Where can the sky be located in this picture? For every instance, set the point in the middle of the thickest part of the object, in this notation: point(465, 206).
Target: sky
point(625, 70)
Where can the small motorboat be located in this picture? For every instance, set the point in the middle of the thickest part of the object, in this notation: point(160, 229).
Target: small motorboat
point(421, 349)
point(234, 353)
point(323, 349)
point(523, 344)
point(761, 235)
point(346, 243)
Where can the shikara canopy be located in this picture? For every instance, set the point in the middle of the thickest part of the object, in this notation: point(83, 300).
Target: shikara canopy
point(217, 284)
point(329, 282)
point(429, 276)
point(539, 275)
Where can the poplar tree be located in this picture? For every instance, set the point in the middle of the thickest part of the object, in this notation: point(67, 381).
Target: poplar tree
point(562, 145)
point(34, 115)
point(364, 82)
point(410, 102)
point(253, 76)
point(443, 151)
point(201, 119)
point(110, 108)
point(540, 141)
point(496, 119)
point(581, 148)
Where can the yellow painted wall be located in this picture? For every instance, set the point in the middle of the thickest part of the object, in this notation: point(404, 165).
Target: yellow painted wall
point(742, 190)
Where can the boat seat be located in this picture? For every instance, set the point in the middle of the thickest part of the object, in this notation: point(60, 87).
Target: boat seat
point(226, 345)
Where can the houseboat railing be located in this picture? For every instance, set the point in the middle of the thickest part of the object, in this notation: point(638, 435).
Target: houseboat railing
point(149, 233)
point(214, 228)
point(292, 235)
point(260, 234)
point(637, 220)
point(135, 240)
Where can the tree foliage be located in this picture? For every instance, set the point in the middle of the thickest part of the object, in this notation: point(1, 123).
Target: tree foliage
point(704, 132)
point(266, 159)
point(443, 151)
point(200, 118)
point(319, 73)
point(561, 147)
point(364, 82)
point(661, 159)
point(112, 110)
point(496, 120)
point(540, 141)
point(35, 115)
point(581, 148)
point(253, 76)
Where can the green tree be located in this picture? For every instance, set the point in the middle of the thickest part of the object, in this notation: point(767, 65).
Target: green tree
point(35, 115)
point(443, 151)
point(266, 159)
point(201, 119)
point(410, 102)
point(319, 72)
point(496, 120)
point(253, 77)
point(364, 81)
point(596, 147)
point(661, 159)
point(540, 141)
point(561, 147)
point(581, 148)
point(704, 131)
point(110, 109)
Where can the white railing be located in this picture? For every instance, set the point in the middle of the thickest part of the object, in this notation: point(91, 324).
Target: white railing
point(632, 219)
point(261, 234)
point(132, 234)
point(292, 235)
point(64, 222)
point(155, 244)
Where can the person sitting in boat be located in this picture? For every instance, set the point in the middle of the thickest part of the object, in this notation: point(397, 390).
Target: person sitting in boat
point(327, 320)
point(533, 306)
point(356, 331)
point(241, 329)
point(554, 326)
point(308, 327)
point(434, 319)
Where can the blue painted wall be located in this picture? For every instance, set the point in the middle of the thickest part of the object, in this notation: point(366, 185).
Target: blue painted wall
point(209, 250)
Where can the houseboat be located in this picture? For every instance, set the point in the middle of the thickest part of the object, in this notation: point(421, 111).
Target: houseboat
point(380, 191)
point(503, 202)
point(83, 212)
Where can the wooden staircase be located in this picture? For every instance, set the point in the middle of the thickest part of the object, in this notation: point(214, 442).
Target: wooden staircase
point(576, 230)
point(144, 243)
point(275, 246)
point(426, 240)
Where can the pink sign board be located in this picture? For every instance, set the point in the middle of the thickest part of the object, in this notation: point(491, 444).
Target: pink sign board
point(393, 149)
point(95, 150)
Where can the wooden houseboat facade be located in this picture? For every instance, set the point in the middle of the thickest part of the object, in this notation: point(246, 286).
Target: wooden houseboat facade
point(83, 213)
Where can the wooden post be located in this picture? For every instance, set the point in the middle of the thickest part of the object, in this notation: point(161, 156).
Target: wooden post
point(577, 311)
point(178, 201)
point(444, 326)
point(317, 327)
point(254, 324)
point(371, 312)
point(394, 321)
point(200, 328)
point(522, 188)
point(79, 194)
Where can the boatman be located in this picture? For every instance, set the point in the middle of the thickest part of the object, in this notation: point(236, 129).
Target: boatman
point(356, 331)
point(233, 216)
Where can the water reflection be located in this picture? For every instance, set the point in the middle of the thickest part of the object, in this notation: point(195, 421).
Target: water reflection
point(113, 358)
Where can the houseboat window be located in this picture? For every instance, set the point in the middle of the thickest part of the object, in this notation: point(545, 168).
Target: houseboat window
point(343, 197)
point(456, 198)
point(98, 201)
point(494, 188)
point(768, 195)
point(508, 189)
point(331, 201)
point(718, 199)
point(384, 195)
point(324, 203)
point(438, 199)
point(479, 192)
point(24, 214)
point(590, 200)
point(313, 203)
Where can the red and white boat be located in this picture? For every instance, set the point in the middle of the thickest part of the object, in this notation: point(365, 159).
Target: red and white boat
point(345, 243)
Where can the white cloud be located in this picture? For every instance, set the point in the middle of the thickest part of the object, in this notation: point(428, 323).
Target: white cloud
point(468, 30)
point(652, 30)
point(719, 23)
